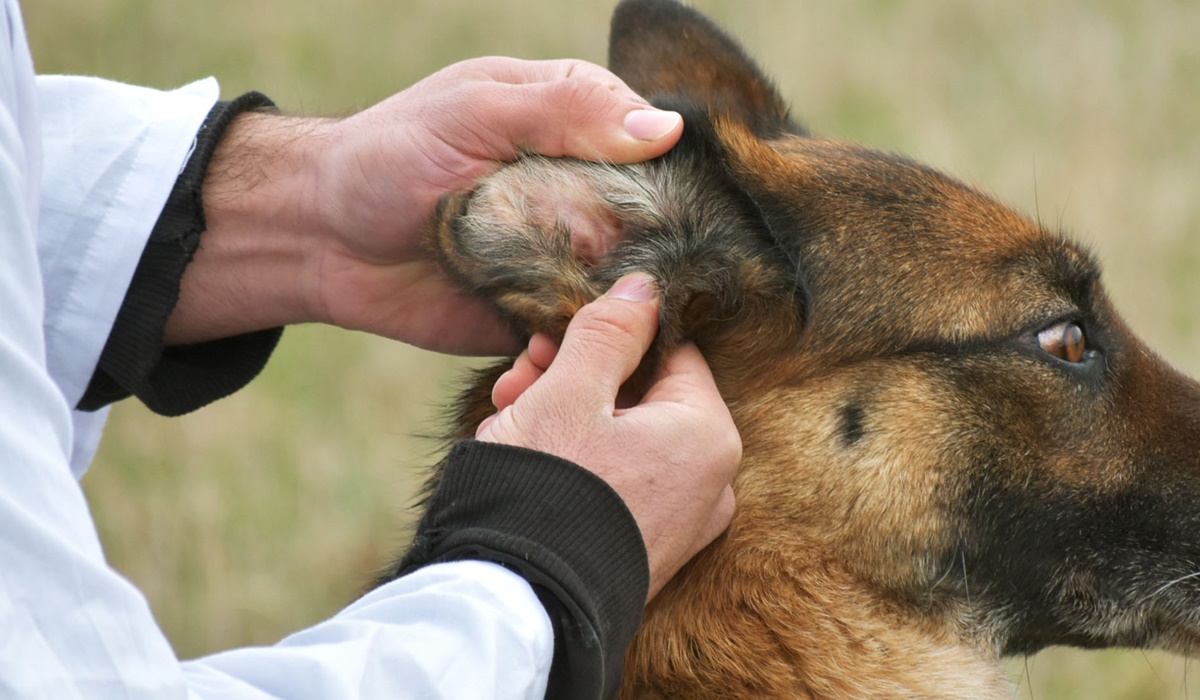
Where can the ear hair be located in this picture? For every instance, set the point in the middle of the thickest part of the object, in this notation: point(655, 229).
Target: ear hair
point(711, 244)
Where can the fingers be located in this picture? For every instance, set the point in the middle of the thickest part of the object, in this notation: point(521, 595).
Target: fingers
point(595, 120)
point(528, 368)
point(578, 382)
point(514, 382)
point(671, 458)
point(722, 515)
point(607, 339)
point(561, 108)
point(685, 387)
point(542, 350)
point(684, 378)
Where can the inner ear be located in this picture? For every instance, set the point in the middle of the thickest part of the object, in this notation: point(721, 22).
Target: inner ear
point(661, 48)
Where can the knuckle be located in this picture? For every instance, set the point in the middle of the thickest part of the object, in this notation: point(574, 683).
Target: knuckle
point(727, 441)
point(733, 448)
point(584, 97)
point(723, 513)
point(614, 324)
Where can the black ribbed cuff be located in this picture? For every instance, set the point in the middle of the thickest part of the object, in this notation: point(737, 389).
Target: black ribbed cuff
point(562, 528)
point(175, 380)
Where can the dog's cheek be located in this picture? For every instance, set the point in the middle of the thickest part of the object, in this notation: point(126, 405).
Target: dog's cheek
point(856, 468)
point(905, 522)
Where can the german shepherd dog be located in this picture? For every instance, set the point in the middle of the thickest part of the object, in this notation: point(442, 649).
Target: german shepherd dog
point(954, 449)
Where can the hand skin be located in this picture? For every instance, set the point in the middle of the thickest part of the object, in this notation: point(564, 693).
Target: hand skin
point(671, 457)
point(316, 220)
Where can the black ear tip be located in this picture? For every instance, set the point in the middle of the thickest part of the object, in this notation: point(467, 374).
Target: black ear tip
point(646, 5)
point(638, 14)
point(662, 47)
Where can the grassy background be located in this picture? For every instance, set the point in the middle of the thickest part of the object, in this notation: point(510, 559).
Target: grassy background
point(252, 518)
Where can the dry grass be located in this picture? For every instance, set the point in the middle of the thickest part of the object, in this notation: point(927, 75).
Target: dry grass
point(264, 513)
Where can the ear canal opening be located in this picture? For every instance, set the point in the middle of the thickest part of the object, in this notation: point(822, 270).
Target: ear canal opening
point(715, 250)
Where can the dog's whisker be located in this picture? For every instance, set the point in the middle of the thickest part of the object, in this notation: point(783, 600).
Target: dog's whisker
point(1169, 584)
point(944, 576)
point(1037, 202)
point(1011, 413)
point(966, 582)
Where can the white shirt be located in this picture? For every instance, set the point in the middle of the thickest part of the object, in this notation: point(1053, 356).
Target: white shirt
point(85, 168)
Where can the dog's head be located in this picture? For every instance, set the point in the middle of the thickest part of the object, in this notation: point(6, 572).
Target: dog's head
point(946, 426)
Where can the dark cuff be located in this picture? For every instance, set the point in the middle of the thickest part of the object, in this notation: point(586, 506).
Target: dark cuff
point(562, 528)
point(175, 380)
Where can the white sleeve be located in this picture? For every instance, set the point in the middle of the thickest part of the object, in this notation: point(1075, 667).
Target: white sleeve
point(70, 626)
point(112, 154)
point(63, 613)
point(465, 629)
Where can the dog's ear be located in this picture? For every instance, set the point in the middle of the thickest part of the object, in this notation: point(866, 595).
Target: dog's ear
point(663, 49)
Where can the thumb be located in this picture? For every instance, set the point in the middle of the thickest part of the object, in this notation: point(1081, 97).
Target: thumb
point(578, 109)
point(607, 339)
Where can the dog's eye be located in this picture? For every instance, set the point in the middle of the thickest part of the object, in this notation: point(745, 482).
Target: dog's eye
point(1065, 341)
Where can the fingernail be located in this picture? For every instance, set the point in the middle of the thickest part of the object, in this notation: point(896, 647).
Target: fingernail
point(651, 124)
point(636, 286)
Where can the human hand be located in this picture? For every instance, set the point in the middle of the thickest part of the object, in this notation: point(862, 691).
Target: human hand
point(322, 220)
point(390, 165)
point(671, 457)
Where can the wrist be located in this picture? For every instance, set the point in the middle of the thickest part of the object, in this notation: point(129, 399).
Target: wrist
point(252, 270)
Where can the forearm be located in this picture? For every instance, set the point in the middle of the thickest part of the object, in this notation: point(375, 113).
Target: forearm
point(135, 359)
point(256, 264)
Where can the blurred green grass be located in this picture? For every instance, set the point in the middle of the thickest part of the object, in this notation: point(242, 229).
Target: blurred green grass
point(266, 512)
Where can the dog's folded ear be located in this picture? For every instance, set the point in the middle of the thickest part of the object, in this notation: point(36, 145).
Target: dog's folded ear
point(661, 48)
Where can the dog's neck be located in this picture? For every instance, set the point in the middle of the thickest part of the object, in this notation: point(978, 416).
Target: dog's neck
point(802, 629)
point(772, 609)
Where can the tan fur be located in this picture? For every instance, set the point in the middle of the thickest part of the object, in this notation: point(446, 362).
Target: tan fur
point(924, 488)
